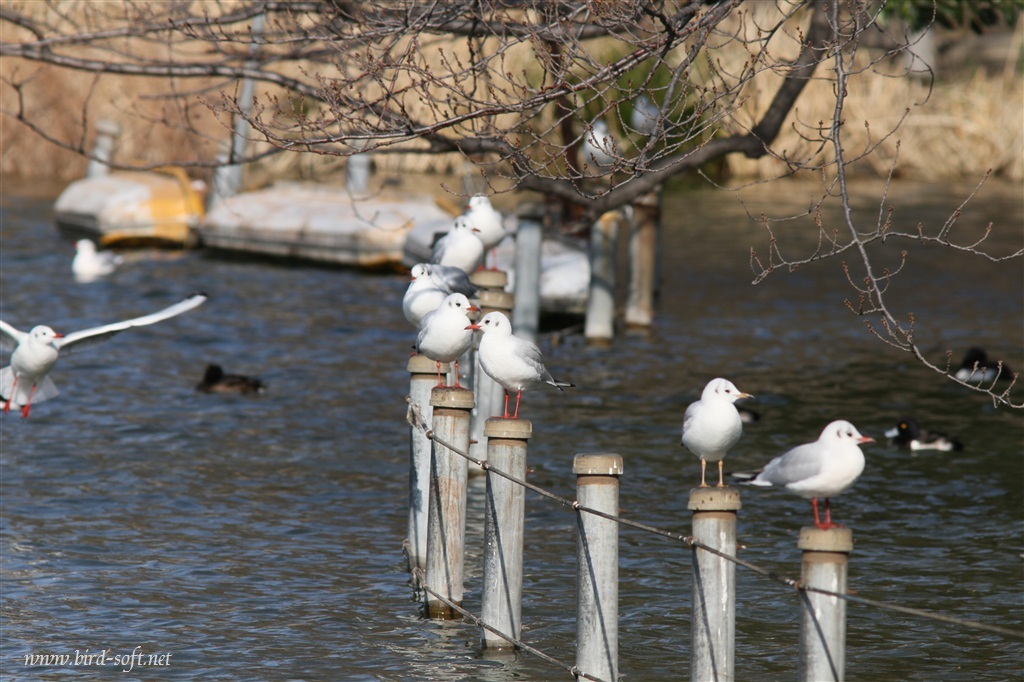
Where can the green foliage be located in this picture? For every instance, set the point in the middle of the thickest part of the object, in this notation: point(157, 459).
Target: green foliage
point(973, 14)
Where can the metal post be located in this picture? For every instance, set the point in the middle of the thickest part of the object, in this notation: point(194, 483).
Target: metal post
point(490, 396)
point(643, 243)
point(599, 324)
point(423, 378)
point(823, 617)
point(713, 627)
point(446, 517)
point(501, 606)
point(526, 316)
point(597, 565)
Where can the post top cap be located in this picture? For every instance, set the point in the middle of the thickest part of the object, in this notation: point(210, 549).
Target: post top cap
point(489, 279)
point(714, 499)
point(498, 427)
point(597, 464)
point(452, 397)
point(838, 539)
point(495, 300)
point(421, 364)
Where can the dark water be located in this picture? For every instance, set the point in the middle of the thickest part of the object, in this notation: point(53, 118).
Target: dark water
point(260, 538)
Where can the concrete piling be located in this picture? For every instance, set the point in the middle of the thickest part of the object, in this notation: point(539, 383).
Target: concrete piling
point(422, 379)
point(526, 315)
point(490, 396)
point(826, 556)
point(504, 506)
point(446, 515)
point(713, 626)
point(599, 324)
point(597, 565)
point(643, 261)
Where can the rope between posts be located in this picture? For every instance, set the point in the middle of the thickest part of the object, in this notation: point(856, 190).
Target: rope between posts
point(571, 669)
point(416, 420)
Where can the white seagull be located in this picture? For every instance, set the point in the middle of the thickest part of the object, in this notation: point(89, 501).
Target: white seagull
point(90, 264)
point(515, 363)
point(644, 118)
point(460, 248)
point(488, 220)
point(824, 468)
point(423, 295)
point(598, 146)
point(444, 333)
point(712, 425)
point(35, 353)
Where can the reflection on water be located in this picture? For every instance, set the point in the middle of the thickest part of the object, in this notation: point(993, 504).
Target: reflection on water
point(260, 537)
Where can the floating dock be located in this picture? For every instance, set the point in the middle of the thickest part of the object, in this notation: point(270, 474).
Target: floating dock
point(318, 223)
point(139, 208)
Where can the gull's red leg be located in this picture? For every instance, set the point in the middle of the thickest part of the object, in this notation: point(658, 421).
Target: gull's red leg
point(814, 505)
point(828, 515)
point(457, 374)
point(505, 416)
point(439, 381)
point(28, 405)
point(519, 395)
point(14, 387)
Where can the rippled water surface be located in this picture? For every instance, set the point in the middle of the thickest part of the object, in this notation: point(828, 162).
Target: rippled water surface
point(261, 538)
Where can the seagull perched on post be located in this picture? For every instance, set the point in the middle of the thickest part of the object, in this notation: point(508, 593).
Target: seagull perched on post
point(824, 468)
point(35, 353)
point(514, 363)
point(443, 335)
point(488, 220)
point(712, 425)
point(460, 247)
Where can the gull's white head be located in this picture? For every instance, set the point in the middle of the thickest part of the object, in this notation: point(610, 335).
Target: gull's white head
point(842, 431)
point(463, 222)
point(85, 246)
point(479, 201)
point(723, 389)
point(42, 334)
point(459, 302)
point(494, 323)
point(420, 270)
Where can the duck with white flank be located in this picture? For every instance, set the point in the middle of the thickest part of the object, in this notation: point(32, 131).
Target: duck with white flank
point(909, 434)
point(976, 368)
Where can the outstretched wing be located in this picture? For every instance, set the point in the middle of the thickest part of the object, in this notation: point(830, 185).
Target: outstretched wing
point(96, 334)
point(9, 336)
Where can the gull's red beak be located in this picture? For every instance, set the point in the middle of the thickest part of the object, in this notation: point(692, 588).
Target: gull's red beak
point(58, 336)
point(473, 326)
point(865, 439)
point(473, 308)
